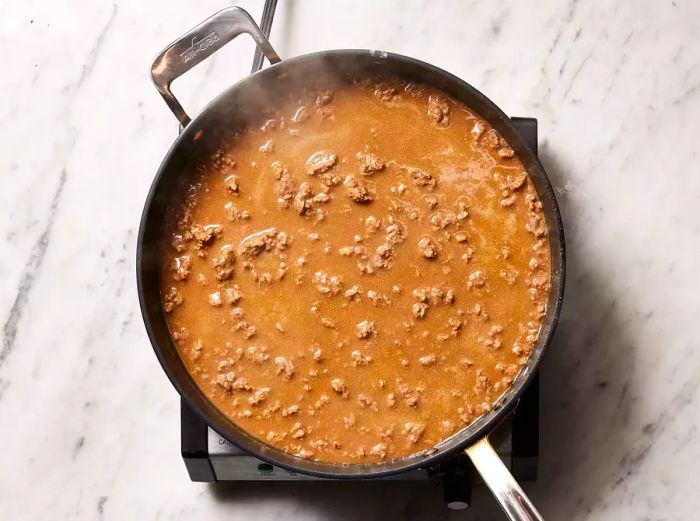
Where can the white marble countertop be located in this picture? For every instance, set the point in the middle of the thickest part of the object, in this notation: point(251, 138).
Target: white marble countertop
point(89, 422)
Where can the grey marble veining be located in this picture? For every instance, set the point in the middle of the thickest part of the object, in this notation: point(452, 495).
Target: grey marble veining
point(88, 421)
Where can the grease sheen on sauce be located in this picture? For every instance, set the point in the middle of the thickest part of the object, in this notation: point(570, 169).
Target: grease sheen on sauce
point(359, 276)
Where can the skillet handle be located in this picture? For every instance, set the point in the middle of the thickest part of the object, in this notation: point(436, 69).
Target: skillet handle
point(200, 43)
point(506, 490)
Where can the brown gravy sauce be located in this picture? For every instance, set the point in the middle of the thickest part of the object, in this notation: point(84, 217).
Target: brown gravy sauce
point(361, 276)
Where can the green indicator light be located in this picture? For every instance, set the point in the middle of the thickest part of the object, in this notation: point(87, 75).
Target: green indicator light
point(265, 468)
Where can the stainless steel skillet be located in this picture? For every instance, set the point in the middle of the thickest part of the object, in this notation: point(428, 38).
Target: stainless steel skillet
point(248, 99)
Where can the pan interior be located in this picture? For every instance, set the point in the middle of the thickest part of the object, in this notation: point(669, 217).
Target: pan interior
point(233, 109)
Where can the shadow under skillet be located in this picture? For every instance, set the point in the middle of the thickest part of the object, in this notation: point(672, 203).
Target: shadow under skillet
point(353, 501)
point(585, 383)
point(586, 377)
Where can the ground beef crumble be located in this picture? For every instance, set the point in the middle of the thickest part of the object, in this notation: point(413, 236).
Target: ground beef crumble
point(339, 387)
point(285, 367)
point(369, 163)
point(203, 236)
point(181, 267)
point(413, 431)
point(172, 298)
point(428, 247)
point(365, 329)
point(357, 190)
point(321, 162)
point(439, 110)
point(261, 242)
point(224, 263)
point(420, 177)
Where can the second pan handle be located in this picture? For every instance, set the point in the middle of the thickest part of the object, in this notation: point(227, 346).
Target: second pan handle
point(200, 43)
point(508, 493)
